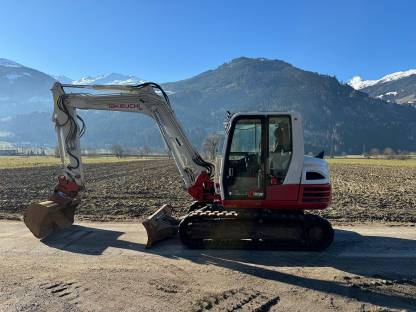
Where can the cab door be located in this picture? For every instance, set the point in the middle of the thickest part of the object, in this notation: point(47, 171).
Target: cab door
point(244, 163)
point(280, 172)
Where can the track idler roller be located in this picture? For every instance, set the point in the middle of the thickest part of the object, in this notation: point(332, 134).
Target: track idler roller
point(44, 218)
point(320, 234)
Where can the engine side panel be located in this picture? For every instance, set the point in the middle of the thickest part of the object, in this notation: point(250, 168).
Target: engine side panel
point(310, 197)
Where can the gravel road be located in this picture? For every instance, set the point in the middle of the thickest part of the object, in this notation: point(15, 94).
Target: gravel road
point(105, 267)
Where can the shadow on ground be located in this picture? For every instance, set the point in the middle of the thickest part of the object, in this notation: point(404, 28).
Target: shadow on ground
point(368, 256)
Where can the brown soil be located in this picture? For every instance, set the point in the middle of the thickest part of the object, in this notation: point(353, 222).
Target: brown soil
point(121, 191)
point(114, 191)
point(372, 193)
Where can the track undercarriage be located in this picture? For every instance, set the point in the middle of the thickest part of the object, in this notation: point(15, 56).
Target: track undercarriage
point(215, 227)
point(209, 226)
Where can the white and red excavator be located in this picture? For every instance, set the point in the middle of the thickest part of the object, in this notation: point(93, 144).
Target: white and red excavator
point(256, 199)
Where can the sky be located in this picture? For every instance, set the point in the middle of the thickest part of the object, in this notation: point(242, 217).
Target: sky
point(172, 40)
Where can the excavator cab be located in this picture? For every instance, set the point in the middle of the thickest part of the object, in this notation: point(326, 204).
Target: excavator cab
point(258, 156)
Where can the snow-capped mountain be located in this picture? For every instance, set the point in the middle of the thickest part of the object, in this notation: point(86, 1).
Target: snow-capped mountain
point(358, 83)
point(399, 87)
point(7, 63)
point(110, 79)
point(201, 102)
point(63, 78)
point(23, 89)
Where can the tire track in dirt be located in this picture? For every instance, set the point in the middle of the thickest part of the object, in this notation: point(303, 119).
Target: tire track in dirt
point(244, 300)
point(71, 291)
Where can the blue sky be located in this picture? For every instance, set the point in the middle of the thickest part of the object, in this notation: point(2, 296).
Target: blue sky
point(172, 40)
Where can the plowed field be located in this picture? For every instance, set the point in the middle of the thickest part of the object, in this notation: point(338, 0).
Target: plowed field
point(135, 189)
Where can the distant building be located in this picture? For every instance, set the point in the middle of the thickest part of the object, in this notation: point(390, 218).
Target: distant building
point(8, 152)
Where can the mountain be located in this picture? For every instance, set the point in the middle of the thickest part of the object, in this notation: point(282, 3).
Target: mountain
point(335, 116)
point(109, 79)
point(62, 79)
point(26, 105)
point(333, 113)
point(23, 89)
point(398, 87)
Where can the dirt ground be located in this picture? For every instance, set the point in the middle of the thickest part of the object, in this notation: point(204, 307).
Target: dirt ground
point(115, 191)
point(135, 189)
point(372, 193)
point(105, 267)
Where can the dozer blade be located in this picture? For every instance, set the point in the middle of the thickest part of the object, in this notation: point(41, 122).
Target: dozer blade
point(160, 225)
point(45, 217)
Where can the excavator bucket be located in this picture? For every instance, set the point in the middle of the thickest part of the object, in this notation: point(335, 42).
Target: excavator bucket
point(45, 217)
point(160, 225)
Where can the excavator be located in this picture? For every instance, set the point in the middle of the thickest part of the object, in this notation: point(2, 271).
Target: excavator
point(258, 198)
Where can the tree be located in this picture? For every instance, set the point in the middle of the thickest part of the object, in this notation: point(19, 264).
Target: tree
point(374, 152)
point(210, 145)
point(388, 152)
point(334, 140)
point(364, 153)
point(56, 152)
point(117, 150)
point(145, 150)
point(403, 155)
point(167, 152)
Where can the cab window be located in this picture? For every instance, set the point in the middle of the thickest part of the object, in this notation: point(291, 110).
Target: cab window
point(280, 147)
point(244, 178)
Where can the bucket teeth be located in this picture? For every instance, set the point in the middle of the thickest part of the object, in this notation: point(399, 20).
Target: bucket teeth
point(45, 217)
point(160, 225)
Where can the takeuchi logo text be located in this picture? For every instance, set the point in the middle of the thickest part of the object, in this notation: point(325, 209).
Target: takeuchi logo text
point(125, 106)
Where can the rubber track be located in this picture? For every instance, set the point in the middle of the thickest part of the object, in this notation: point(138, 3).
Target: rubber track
point(221, 229)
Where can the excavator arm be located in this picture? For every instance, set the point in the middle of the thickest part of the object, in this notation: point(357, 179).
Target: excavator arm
point(148, 99)
point(142, 99)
